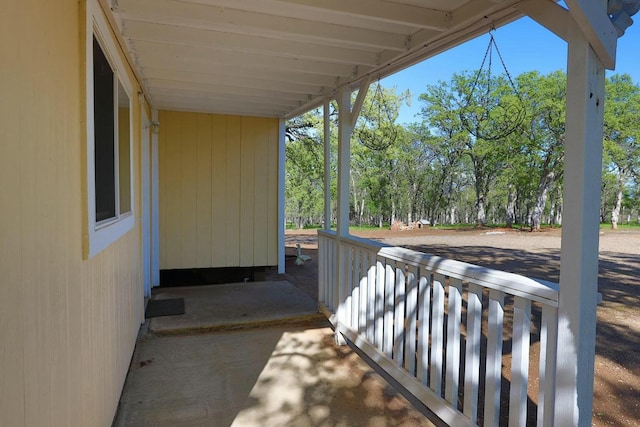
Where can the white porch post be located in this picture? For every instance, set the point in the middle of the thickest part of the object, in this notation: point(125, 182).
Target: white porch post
point(327, 166)
point(344, 159)
point(580, 233)
point(342, 227)
point(281, 176)
point(155, 201)
point(346, 121)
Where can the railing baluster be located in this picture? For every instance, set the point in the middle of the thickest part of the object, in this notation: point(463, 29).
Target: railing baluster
point(472, 357)
point(437, 331)
point(362, 320)
point(358, 283)
point(390, 281)
point(548, 352)
point(327, 272)
point(412, 323)
point(520, 338)
point(453, 341)
point(321, 269)
point(336, 279)
point(379, 306)
point(494, 359)
point(371, 295)
point(349, 287)
point(423, 331)
point(399, 323)
point(390, 302)
point(355, 292)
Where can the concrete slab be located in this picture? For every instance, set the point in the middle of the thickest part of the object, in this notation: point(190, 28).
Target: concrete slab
point(236, 305)
point(275, 376)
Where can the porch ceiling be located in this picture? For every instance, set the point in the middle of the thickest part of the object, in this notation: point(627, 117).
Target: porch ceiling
point(278, 58)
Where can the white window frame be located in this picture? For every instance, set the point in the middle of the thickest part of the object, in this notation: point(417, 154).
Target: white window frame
point(104, 233)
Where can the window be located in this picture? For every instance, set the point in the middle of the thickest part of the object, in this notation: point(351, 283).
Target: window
point(109, 137)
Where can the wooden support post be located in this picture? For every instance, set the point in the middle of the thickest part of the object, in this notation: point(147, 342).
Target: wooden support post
point(344, 160)
point(580, 233)
point(155, 201)
point(346, 122)
point(281, 176)
point(327, 166)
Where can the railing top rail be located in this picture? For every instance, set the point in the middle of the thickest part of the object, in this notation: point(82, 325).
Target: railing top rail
point(513, 284)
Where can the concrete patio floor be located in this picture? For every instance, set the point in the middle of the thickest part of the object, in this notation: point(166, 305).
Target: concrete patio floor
point(284, 372)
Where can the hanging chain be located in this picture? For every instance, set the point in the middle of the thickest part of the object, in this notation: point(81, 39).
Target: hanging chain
point(504, 66)
point(495, 121)
point(385, 134)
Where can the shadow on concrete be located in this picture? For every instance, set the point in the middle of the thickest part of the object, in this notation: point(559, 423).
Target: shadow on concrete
point(275, 376)
point(255, 354)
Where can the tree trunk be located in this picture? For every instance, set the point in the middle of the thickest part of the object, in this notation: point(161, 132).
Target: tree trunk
point(541, 201)
point(558, 212)
point(356, 205)
point(615, 213)
point(393, 211)
point(511, 203)
point(481, 218)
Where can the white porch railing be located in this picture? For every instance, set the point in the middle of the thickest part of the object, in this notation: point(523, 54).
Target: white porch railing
point(420, 318)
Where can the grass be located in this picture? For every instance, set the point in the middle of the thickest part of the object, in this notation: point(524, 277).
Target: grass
point(627, 226)
point(366, 227)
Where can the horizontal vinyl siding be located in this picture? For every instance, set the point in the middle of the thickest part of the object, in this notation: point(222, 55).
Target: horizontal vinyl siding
point(218, 190)
point(67, 325)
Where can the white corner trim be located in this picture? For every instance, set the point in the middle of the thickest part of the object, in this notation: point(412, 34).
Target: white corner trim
point(281, 181)
point(155, 205)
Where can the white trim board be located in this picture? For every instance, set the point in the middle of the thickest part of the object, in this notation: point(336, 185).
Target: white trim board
point(101, 235)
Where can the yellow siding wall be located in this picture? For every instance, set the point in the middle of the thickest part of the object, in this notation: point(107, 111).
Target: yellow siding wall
point(218, 190)
point(67, 326)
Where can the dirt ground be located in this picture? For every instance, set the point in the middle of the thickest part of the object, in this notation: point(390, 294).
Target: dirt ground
point(617, 364)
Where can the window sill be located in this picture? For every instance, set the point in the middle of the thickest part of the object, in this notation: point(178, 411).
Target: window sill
point(104, 234)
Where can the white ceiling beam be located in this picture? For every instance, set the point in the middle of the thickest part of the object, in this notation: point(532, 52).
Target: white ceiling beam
point(255, 83)
point(430, 47)
point(382, 11)
point(220, 71)
point(225, 90)
point(242, 43)
point(473, 11)
point(266, 102)
point(221, 103)
point(593, 20)
point(211, 17)
point(207, 56)
point(378, 10)
point(549, 14)
point(213, 108)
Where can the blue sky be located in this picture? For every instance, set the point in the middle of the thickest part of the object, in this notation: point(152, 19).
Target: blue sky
point(524, 46)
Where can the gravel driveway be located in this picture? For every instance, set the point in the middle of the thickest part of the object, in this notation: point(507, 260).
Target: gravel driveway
point(617, 365)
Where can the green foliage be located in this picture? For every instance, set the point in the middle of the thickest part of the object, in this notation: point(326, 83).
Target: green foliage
point(304, 172)
point(437, 169)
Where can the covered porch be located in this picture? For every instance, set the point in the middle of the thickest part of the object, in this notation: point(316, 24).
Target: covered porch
point(254, 354)
point(407, 311)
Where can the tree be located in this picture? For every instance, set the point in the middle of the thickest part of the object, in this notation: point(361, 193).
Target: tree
point(446, 105)
point(544, 98)
point(621, 137)
point(375, 156)
point(304, 187)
